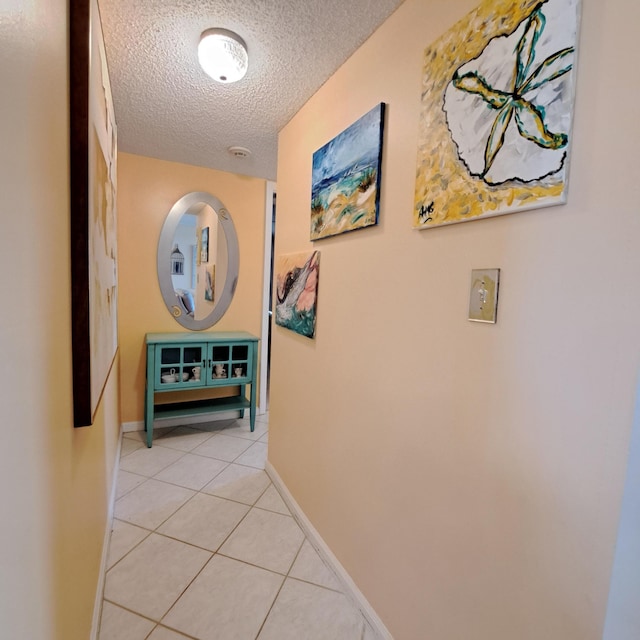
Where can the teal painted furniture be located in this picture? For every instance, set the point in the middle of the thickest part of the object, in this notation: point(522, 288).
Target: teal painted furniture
point(203, 360)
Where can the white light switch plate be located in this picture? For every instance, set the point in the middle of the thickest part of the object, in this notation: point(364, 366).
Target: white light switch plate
point(483, 299)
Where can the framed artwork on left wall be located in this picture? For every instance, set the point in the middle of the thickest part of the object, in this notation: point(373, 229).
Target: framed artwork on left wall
point(92, 157)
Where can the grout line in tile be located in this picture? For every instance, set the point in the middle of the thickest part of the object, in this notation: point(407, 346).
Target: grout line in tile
point(132, 524)
point(141, 615)
point(265, 489)
point(164, 626)
point(217, 552)
point(270, 609)
point(156, 443)
point(143, 433)
point(279, 513)
point(184, 453)
point(189, 544)
point(315, 584)
point(184, 504)
point(250, 564)
point(237, 525)
point(297, 554)
point(135, 546)
point(152, 630)
point(195, 546)
point(144, 479)
point(134, 473)
point(188, 585)
point(244, 504)
point(280, 589)
point(248, 466)
point(251, 506)
point(147, 478)
point(300, 549)
point(124, 455)
point(173, 604)
point(235, 435)
point(189, 488)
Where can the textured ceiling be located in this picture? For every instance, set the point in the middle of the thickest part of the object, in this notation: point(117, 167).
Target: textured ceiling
point(168, 108)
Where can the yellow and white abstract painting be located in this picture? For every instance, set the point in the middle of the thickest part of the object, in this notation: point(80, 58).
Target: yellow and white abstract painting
point(102, 224)
point(496, 112)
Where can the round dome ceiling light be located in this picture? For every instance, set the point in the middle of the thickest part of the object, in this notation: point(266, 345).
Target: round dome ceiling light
point(239, 152)
point(223, 55)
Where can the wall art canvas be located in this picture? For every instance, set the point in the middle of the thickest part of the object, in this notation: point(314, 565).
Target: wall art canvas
point(92, 155)
point(345, 191)
point(204, 247)
point(209, 288)
point(297, 291)
point(497, 104)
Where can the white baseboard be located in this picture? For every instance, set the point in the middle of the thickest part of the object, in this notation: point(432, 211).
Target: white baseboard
point(128, 427)
point(161, 423)
point(97, 607)
point(348, 585)
point(138, 425)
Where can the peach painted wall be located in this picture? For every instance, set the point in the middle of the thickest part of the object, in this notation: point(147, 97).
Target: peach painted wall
point(147, 189)
point(467, 476)
point(55, 480)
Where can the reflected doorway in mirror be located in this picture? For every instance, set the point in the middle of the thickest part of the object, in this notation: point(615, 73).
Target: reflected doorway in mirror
point(177, 261)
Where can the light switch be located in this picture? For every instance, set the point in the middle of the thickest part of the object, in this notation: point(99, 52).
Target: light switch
point(483, 299)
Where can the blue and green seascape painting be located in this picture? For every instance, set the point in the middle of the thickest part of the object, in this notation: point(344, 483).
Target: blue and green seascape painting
point(345, 192)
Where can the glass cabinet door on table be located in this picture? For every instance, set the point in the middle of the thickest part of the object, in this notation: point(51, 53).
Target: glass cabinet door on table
point(180, 366)
point(229, 362)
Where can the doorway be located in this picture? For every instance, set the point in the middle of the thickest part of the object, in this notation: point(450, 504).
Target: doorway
point(267, 295)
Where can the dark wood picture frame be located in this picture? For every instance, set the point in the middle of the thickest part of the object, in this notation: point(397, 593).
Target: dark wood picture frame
point(79, 64)
point(204, 253)
point(83, 182)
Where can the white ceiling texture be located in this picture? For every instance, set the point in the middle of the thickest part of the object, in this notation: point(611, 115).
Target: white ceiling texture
point(168, 108)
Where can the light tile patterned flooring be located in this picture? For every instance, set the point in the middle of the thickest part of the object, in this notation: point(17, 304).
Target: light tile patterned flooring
point(203, 546)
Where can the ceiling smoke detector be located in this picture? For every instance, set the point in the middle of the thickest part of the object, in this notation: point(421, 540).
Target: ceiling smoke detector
point(239, 152)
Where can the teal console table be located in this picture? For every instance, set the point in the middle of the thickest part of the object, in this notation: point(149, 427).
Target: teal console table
point(203, 360)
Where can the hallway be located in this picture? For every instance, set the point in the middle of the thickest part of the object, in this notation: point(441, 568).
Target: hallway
point(204, 547)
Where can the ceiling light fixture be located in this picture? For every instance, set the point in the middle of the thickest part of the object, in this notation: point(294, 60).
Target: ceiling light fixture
point(223, 55)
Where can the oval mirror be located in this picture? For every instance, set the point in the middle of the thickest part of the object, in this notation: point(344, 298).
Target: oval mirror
point(198, 260)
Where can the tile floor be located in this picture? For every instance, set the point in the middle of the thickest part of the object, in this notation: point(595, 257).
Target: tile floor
point(203, 546)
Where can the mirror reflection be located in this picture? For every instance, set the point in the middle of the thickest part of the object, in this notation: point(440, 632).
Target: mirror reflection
point(198, 260)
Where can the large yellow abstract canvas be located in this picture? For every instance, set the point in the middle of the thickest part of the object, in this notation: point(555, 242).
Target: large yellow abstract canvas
point(93, 176)
point(496, 112)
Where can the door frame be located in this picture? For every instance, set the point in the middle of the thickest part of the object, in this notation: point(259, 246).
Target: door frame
point(270, 191)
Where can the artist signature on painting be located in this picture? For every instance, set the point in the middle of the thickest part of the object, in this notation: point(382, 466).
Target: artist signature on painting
point(425, 213)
